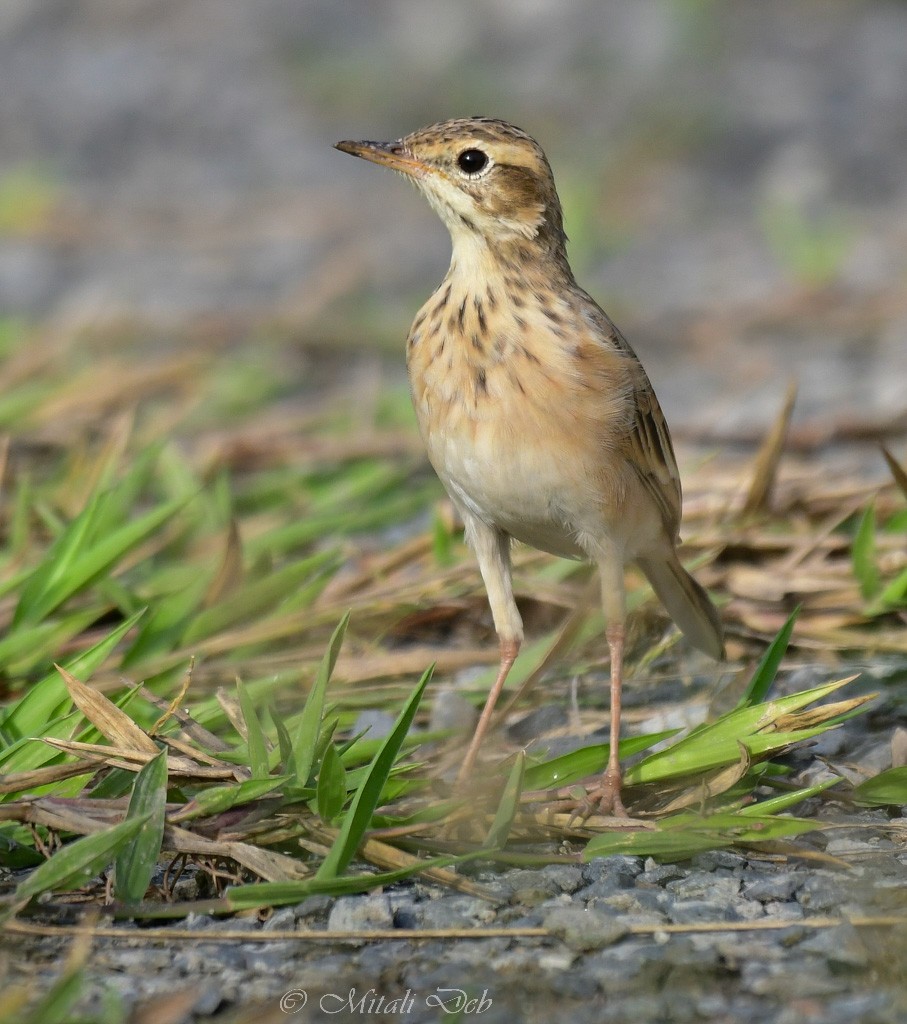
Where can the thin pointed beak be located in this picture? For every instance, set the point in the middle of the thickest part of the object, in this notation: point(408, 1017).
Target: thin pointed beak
point(388, 154)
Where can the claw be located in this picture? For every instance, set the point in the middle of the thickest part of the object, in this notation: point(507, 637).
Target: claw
point(605, 799)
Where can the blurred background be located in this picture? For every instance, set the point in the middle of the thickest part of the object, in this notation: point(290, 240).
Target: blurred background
point(734, 177)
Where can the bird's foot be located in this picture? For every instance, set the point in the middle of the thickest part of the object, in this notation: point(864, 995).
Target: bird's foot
point(604, 799)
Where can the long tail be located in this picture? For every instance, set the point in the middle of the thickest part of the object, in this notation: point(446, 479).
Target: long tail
point(686, 602)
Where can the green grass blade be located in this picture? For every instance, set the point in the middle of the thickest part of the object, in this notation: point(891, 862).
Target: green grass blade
point(83, 567)
point(359, 815)
point(888, 788)
point(51, 575)
point(284, 743)
point(49, 698)
point(162, 630)
point(863, 554)
point(331, 789)
point(275, 894)
point(39, 641)
point(14, 854)
point(893, 595)
point(78, 862)
point(306, 737)
point(442, 541)
point(56, 1006)
point(257, 744)
point(221, 798)
point(777, 804)
point(767, 669)
point(136, 863)
point(508, 806)
point(717, 743)
point(565, 769)
point(254, 598)
point(683, 835)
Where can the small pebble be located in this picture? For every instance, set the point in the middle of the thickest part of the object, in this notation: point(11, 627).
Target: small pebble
point(584, 929)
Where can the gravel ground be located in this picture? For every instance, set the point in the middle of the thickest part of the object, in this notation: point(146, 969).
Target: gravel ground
point(625, 934)
point(611, 957)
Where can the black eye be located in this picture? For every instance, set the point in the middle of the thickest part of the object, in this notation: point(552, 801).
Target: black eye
point(472, 161)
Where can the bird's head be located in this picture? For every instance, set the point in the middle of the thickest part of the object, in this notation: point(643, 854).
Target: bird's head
point(484, 177)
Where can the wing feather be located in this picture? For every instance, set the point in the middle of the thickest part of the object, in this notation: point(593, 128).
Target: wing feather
point(650, 450)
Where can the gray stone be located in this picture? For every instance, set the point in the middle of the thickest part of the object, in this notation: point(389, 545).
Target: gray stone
point(790, 911)
point(773, 887)
point(607, 875)
point(531, 887)
point(742, 909)
point(624, 868)
point(808, 977)
point(240, 923)
point(584, 928)
point(634, 901)
point(695, 911)
point(371, 912)
point(538, 721)
point(713, 885)
point(198, 922)
point(192, 960)
point(865, 1007)
point(283, 919)
point(738, 948)
point(313, 906)
point(451, 711)
point(207, 1002)
point(847, 847)
point(840, 947)
point(712, 859)
point(268, 958)
point(189, 887)
point(376, 724)
point(650, 920)
point(621, 963)
point(406, 916)
point(660, 874)
point(566, 877)
point(822, 892)
point(455, 911)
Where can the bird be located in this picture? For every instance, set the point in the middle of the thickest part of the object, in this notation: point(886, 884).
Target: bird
point(535, 412)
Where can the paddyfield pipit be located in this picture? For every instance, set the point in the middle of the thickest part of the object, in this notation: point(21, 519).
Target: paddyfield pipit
point(535, 412)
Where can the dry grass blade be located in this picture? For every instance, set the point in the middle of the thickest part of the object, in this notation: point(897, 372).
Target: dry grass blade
point(171, 709)
point(106, 717)
point(81, 817)
point(391, 858)
point(812, 717)
point(765, 465)
point(285, 935)
point(202, 736)
point(132, 760)
point(267, 864)
point(897, 470)
point(168, 1008)
point(230, 572)
point(711, 785)
point(20, 782)
point(166, 935)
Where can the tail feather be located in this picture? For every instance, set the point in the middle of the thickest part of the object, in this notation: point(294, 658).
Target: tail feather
point(686, 602)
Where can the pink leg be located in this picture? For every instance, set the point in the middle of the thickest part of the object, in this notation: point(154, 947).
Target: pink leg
point(610, 801)
point(492, 548)
point(605, 797)
point(509, 651)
